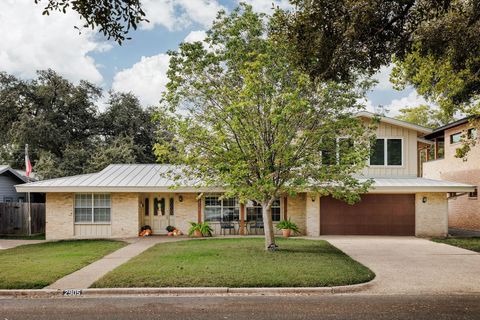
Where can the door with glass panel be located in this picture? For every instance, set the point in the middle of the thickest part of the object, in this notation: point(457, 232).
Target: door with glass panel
point(162, 213)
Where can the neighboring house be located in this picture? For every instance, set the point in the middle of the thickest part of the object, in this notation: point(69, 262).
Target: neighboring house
point(119, 200)
point(441, 163)
point(8, 179)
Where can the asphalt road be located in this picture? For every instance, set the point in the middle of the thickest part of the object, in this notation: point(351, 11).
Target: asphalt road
point(355, 306)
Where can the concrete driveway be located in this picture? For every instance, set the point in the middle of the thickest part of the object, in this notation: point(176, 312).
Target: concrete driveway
point(413, 265)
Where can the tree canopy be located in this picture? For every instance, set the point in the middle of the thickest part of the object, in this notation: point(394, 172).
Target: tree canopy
point(66, 132)
point(248, 119)
point(113, 18)
point(424, 115)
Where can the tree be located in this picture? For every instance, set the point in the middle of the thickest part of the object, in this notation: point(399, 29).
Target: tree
point(125, 117)
point(246, 119)
point(113, 18)
point(424, 115)
point(435, 44)
point(120, 150)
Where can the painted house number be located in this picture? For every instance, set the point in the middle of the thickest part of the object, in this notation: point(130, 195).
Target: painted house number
point(72, 292)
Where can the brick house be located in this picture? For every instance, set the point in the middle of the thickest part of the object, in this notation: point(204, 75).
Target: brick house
point(441, 163)
point(119, 200)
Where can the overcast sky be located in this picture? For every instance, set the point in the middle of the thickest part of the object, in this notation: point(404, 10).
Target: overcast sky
point(31, 42)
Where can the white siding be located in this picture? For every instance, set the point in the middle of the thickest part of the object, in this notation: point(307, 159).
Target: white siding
point(409, 167)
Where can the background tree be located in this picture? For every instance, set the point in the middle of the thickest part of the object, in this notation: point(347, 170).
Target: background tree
point(113, 18)
point(247, 119)
point(66, 132)
point(424, 115)
point(435, 43)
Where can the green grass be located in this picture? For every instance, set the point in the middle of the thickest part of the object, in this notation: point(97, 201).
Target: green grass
point(40, 236)
point(465, 243)
point(238, 263)
point(35, 266)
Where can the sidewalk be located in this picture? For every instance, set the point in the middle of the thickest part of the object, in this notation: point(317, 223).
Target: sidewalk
point(86, 276)
point(8, 244)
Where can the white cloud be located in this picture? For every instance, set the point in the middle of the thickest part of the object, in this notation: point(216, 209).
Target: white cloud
point(146, 79)
point(266, 6)
point(179, 14)
point(31, 41)
point(195, 36)
point(413, 99)
point(383, 78)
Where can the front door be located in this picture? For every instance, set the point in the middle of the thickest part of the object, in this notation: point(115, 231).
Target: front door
point(160, 219)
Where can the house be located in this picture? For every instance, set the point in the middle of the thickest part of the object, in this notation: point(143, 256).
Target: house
point(441, 163)
point(119, 200)
point(8, 179)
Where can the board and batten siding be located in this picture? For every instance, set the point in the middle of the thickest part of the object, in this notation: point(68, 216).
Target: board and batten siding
point(7, 188)
point(409, 162)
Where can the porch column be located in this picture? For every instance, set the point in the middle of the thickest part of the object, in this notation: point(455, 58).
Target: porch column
point(285, 206)
point(313, 214)
point(242, 219)
point(199, 211)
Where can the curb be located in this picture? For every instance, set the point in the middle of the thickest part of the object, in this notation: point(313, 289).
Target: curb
point(179, 291)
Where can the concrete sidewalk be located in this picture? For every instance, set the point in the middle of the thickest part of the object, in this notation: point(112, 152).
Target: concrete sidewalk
point(8, 244)
point(86, 276)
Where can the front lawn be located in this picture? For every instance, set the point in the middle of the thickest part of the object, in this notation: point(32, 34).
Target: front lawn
point(238, 263)
point(35, 266)
point(465, 243)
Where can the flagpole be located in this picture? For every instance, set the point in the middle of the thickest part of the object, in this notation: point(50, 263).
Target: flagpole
point(27, 160)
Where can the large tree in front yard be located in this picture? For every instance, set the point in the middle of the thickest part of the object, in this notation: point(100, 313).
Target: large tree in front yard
point(247, 119)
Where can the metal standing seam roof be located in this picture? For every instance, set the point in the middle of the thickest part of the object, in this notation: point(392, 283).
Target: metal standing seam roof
point(157, 178)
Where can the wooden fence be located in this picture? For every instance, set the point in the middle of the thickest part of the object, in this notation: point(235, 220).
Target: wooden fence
point(14, 218)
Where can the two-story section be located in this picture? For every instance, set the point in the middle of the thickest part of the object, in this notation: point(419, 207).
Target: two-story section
point(441, 162)
point(121, 199)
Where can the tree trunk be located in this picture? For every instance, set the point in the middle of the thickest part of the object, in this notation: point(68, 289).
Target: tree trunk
point(268, 226)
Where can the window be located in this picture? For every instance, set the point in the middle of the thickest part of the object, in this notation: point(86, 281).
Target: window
point(472, 133)
point(92, 208)
point(474, 194)
point(146, 205)
point(226, 209)
point(172, 206)
point(336, 150)
point(387, 152)
point(456, 137)
point(254, 211)
point(21, 199)
point(155, 207)
point(8, 199)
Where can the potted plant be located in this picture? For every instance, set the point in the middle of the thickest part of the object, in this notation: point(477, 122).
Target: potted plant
point(201, 229)
point(287, 227)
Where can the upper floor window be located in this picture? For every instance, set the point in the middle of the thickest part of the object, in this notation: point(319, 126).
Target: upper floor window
point(387, 152)
point(472, 133)
point(456, 137)
point(336, 151)
point(92, 208)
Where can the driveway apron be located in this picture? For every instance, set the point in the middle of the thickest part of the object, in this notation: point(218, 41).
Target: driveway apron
point(413, 265)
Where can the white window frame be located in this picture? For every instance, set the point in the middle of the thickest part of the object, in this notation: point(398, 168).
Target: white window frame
point(220, 206)
point(337, 148)
point(385, 154)
point(280, 206)
point(93, 208)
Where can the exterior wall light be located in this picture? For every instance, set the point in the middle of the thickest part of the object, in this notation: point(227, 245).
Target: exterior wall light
point(180, 198)
point(424, 199)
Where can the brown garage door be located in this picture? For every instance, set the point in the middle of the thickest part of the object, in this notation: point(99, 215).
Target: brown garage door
point(375, 214)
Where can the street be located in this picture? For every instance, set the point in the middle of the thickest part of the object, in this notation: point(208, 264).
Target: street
point(355, 306)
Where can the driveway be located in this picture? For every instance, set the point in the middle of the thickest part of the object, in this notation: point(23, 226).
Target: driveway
point(413, 265)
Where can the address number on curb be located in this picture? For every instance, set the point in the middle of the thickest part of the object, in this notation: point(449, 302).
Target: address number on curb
point(72, 292)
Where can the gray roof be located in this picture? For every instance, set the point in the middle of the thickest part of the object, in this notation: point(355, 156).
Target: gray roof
point(157, 178)
point(20, 174)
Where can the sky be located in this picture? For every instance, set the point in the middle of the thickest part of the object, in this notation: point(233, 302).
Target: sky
point(31, 41)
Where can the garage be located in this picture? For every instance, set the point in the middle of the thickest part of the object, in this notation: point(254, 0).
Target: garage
point(375, 214)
